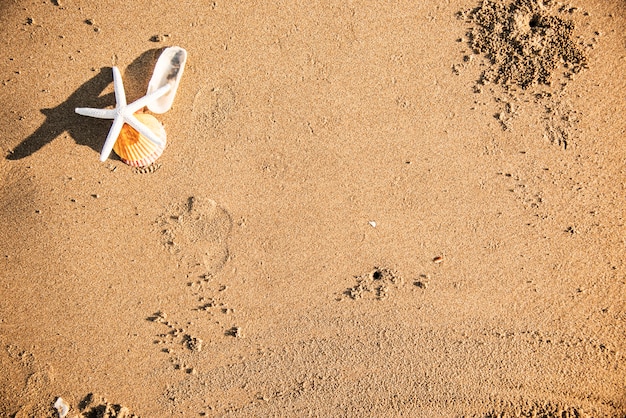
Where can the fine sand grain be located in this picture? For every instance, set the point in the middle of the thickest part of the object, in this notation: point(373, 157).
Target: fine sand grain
point(364, 209)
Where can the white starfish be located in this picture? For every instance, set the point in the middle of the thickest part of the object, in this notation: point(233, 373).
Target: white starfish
point(124, 113)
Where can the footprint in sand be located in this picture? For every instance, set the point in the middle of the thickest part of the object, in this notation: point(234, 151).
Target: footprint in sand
point(197, 232)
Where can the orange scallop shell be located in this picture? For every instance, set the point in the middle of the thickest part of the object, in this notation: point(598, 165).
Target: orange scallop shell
point(135, 149)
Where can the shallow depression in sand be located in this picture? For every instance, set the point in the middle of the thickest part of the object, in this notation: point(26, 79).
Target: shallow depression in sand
point(197, 232)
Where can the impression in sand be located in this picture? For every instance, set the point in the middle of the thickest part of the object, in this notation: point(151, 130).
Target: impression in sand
point(196, 233)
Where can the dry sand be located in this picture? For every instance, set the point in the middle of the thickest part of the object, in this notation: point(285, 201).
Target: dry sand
point(392, 208)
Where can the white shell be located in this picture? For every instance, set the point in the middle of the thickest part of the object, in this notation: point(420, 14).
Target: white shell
point(168, 70)
point(62, 407)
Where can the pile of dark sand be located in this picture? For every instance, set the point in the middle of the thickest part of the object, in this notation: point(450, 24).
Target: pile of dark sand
point(526, 41)
point(93, 406)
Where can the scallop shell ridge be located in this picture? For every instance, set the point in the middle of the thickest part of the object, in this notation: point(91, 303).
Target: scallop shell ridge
point(135, 149)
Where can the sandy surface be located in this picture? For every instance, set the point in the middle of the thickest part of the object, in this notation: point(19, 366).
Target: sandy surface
point(360, 212)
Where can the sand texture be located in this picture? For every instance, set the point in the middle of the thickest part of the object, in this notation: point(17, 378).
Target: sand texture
point(395, 208)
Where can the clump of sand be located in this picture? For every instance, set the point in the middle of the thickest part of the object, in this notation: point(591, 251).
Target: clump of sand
point(526, 41)
point(93, 406)
point(374, 284)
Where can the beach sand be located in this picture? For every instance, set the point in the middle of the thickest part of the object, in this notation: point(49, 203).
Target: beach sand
point(390, 208)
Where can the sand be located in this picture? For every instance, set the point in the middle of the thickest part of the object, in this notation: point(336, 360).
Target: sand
point(364, 209)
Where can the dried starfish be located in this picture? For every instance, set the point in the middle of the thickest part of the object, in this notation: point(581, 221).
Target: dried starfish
point(124, 113)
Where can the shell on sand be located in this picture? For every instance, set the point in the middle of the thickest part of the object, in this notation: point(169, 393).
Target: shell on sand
point(168, 70)
point(135, 149)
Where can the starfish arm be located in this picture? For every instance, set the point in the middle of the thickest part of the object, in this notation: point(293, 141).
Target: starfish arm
point(96, 113)
point(116, 128)
point(120, 94)
point(140, 103)
point(144, 130)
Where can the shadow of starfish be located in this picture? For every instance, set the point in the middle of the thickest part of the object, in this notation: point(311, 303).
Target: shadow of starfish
point(90, 132)
point(63, 119)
